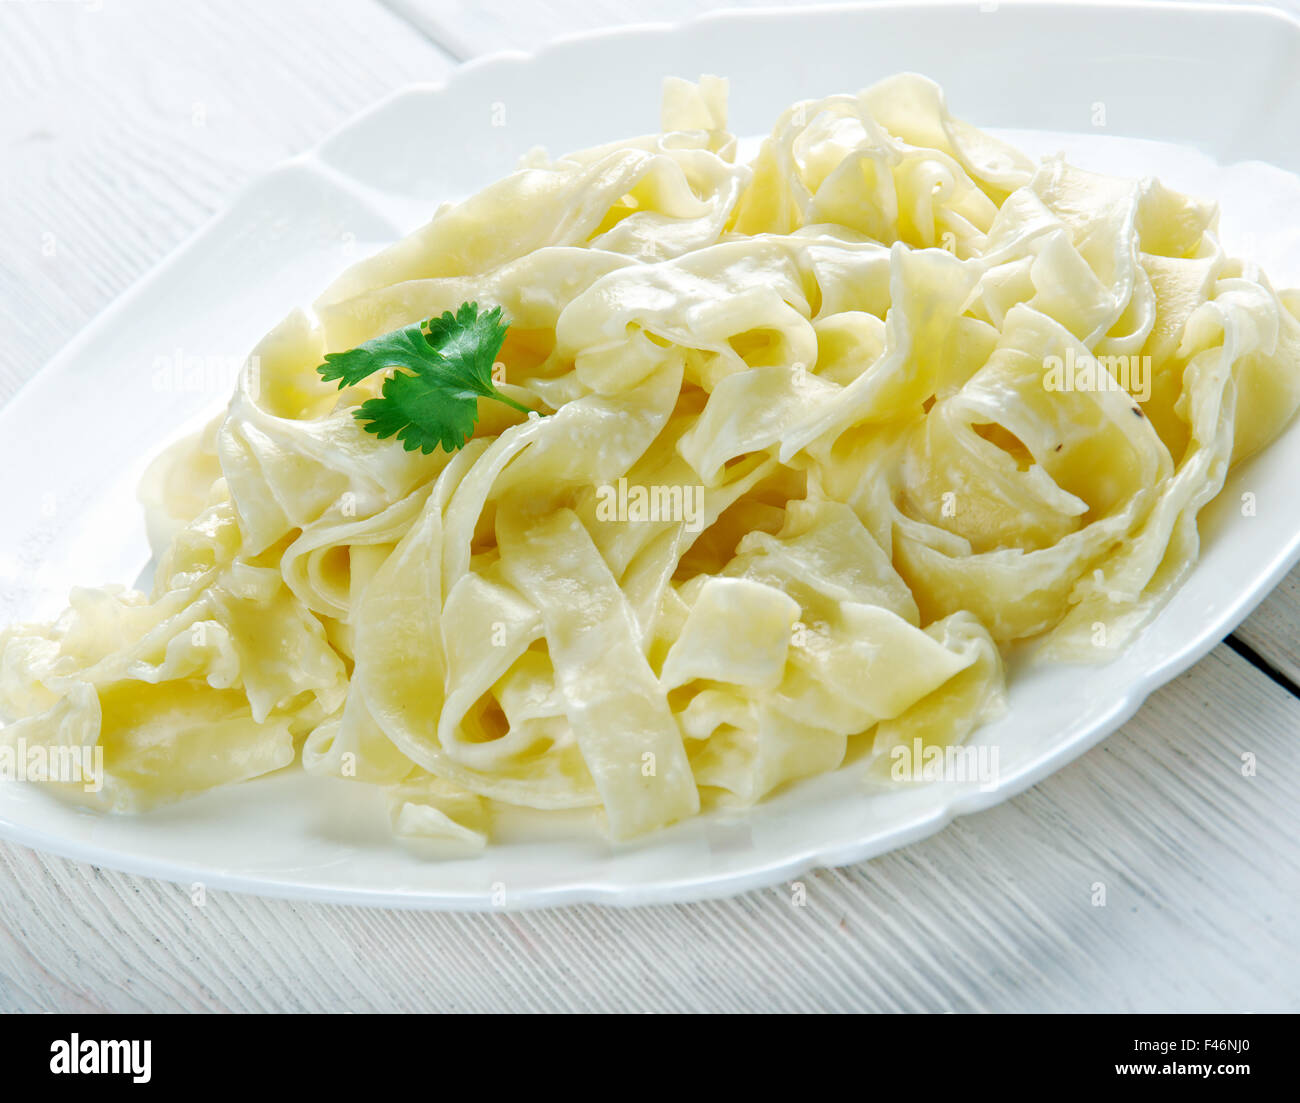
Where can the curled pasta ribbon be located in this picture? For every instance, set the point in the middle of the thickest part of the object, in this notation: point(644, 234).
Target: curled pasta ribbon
point(823, 435)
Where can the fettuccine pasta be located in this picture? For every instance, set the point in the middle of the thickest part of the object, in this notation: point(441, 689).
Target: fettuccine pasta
point(815, 440)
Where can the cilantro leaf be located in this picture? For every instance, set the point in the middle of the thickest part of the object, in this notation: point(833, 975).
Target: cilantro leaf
point(469, 342)
point(405, 348)
point(444, 365)
point(420, 411)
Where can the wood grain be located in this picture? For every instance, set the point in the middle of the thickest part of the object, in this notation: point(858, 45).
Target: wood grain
point(471, 28)
point(126, 125)
point(1273, 629)
point(102, 152)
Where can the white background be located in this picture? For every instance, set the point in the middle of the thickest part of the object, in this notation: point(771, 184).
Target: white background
point(124, 126)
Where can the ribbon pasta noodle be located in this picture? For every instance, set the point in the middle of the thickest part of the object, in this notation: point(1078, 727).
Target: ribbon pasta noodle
point(810, 458)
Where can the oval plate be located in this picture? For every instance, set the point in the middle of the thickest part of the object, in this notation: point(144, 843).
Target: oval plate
point(164, 357)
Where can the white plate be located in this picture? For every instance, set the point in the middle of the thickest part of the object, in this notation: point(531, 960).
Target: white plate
point(1220, 80)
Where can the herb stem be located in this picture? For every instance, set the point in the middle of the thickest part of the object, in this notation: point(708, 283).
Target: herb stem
point(511, 402)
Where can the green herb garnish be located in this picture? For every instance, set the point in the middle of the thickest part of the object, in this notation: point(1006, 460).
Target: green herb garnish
point(445, 366)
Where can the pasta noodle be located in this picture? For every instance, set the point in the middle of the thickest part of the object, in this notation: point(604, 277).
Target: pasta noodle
point(821, 436)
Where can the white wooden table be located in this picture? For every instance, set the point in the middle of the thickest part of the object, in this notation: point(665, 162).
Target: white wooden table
point(124, 125)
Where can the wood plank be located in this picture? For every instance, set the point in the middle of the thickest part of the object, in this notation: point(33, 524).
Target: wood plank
point(485, 27)
point(128, 125)
point(1273, 629)
point(994, 914)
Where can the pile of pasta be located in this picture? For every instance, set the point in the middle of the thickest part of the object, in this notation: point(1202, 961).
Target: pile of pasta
point(838, 351)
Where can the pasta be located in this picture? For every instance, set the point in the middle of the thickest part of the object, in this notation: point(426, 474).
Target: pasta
point(817, 438)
